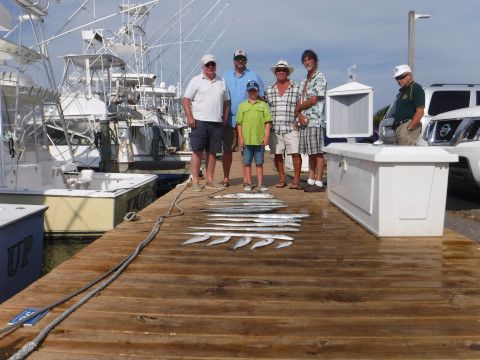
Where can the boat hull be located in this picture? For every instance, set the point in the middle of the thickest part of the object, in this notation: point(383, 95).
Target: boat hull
point(21, 245)
point(85, 212)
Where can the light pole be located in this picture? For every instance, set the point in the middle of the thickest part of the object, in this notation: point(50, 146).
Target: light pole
point(411, 34)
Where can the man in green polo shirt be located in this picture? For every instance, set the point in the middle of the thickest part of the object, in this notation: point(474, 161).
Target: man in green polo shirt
point(409, 107)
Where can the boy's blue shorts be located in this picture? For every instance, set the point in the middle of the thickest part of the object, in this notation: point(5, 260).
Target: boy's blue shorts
point(253, 151)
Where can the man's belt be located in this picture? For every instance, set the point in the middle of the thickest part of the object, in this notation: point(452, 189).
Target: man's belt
point(398, 123)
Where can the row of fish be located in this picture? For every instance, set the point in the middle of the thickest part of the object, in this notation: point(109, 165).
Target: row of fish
point(246, 216)
point(245, 239)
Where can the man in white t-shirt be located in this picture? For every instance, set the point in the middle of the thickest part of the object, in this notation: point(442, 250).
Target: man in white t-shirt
point(205, 103)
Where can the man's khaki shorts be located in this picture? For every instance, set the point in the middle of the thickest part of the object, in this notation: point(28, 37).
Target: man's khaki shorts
point(288, 143)
point(405, 137)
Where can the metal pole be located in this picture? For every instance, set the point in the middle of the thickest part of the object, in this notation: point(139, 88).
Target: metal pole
point(2, 159)
point(180, 52)
point(411, 38)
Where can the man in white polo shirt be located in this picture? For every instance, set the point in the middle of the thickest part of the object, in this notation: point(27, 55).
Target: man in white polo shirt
point(205, 103)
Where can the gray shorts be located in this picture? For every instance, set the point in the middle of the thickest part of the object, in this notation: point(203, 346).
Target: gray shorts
point(285, 143)
point(206, 136)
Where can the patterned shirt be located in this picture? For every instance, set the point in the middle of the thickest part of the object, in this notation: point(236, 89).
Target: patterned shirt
point(316, 86)
point(282, 108)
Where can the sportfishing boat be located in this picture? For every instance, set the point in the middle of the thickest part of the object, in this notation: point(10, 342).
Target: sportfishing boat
point(79, 202)
point(21, 226)
point(107, 84)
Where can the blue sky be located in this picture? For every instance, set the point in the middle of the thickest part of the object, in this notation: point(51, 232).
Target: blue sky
point(371, 34)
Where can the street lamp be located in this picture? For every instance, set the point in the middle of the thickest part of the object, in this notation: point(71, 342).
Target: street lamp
point(411, 34)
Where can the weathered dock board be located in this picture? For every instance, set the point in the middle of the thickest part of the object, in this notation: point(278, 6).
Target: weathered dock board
point(337, 293)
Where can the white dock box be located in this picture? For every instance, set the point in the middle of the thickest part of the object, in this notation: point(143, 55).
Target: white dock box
point(391, 190)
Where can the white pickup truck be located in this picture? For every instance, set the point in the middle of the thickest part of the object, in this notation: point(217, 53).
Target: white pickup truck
point(458, 132)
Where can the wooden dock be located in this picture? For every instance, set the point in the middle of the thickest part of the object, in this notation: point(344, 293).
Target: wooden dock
point(337, 293)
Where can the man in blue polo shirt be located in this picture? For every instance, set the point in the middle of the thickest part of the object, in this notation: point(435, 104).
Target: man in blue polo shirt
point(236, 80)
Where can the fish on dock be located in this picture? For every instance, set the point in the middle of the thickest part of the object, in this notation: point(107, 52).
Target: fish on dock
point(244, 228)
point(245, 196)
point(263, 216)
point(254, 224)
point(284, 244)
point(196, 239)
point(240, 234)
point(242, 221)
point(242, 242)
point(243, 210)
point(221, 240)
point(245, 203)
point(262, 243)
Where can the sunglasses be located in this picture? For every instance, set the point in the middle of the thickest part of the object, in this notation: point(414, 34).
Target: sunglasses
point(240, 58)
point(210, 64)
point(401, 77)
point(282, 69)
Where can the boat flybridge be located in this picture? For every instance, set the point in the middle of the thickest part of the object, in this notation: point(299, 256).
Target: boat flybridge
point(79, 202)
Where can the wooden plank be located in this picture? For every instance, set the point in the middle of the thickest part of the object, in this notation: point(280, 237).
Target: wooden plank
point(338, 292)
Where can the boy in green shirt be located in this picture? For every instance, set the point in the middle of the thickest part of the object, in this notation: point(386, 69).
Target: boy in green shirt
point(253, 126)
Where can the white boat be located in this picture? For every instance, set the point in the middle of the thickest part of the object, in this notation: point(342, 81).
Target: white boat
point(106, 83)
point(80, 202)
point(84, 203)
point(21, 244)
point(21, 226)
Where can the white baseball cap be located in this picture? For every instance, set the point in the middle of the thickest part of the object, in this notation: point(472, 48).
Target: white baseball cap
point(207, 58)
point(401, 69)
point(239, 52)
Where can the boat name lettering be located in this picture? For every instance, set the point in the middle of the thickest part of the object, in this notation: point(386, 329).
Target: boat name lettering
point(18, 255)
point(144, 197)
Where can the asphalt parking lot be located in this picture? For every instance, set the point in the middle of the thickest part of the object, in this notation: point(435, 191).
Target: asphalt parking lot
point(463, 214)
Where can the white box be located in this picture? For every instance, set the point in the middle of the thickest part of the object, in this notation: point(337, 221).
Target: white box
point(349, 111)
point(390, 190)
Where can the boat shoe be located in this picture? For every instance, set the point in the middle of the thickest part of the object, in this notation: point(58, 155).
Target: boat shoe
point(314, 188)
point(215, 186)
point(196, 187)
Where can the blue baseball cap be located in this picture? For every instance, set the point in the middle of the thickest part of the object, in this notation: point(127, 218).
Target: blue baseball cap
point(252, 85)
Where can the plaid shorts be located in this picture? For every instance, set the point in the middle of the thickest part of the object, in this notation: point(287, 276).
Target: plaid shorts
point(311, 140)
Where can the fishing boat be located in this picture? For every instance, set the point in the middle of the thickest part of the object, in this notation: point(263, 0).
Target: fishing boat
point(21, 244)
point(21, 226)
point(107, 83)
point(80, 202)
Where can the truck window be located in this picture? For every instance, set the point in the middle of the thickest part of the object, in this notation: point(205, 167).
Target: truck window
point(478, 98)
point(443, 101)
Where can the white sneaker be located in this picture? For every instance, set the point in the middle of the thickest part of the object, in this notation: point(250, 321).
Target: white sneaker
point(247, 187)
point(263, 188)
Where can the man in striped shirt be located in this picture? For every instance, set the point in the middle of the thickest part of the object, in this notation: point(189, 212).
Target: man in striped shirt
point(282, 98)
